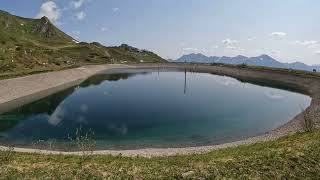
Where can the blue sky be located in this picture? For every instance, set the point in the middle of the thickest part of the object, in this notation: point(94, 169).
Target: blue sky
point(288, 30)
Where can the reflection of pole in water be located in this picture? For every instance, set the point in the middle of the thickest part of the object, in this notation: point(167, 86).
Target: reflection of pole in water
point(185, 81)
point(158, 70)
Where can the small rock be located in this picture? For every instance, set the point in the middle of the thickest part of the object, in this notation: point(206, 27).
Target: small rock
point(186, 174)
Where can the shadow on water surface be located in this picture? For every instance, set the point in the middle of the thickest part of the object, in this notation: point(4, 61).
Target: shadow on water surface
point(49, 104)
point(99, 78)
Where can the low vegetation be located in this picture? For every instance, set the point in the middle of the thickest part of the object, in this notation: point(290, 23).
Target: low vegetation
point(33, 45)
point(84, 143)
point(243, 65)
point(7, 155)
point(292, 157)
point(37, 70)
point(308, 123)
point(264, 68)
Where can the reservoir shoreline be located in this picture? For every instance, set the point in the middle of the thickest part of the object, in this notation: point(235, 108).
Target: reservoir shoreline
point(23, 90)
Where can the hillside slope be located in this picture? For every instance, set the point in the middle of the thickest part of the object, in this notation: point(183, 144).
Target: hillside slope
point(28, 44)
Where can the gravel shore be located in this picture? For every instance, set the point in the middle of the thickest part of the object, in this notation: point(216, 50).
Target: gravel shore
point(24, 90)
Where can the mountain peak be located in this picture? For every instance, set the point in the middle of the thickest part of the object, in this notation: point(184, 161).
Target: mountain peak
point(37, 43)
point(45, 19)
point(265, 56)
point(44, 28)
point(241, 56)
point(262, 60)
point(297, 62)
point(194, 54)
point(193, 57)
point(3, 12)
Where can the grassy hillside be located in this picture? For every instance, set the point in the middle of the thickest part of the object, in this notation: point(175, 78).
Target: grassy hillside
point(292, 157)
point(36, 45)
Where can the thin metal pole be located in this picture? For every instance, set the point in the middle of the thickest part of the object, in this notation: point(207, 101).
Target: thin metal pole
point(185, 81)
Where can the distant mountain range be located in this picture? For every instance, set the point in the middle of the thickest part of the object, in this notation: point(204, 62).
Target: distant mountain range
point(263, 60)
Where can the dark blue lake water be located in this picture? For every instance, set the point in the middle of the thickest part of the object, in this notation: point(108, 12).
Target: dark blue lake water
point(128, 109)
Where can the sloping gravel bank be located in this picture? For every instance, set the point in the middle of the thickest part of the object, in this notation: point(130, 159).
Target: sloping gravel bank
point(26, 89)
point(23, 90)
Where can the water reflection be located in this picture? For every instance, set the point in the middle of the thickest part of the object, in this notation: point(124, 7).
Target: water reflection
point(98, 79)
point(142, 108)
point(273, 95)
point(53, 107)
point(57, 116)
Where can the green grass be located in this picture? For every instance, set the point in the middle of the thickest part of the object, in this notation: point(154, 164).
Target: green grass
point(293, 157)
point(34, 71)
point(31, 44)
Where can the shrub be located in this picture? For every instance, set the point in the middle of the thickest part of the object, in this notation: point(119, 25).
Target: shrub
point(7, 154)
point(243, 65)
point(85, 143)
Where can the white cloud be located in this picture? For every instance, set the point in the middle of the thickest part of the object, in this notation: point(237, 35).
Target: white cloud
point(314, 46)
point(50, 10)
point(190, 49)
point(275, 52)
point(234, 49)
point(115, 9)
point(104, 29)
point(252, 38)
point(229, 41)
point(77, 4)
point(306, 43)
point(309, 43)
point(182, 44)
point(214, 47)
point(317, 52)
point(80, 15)
point(204, 50)
point(231, 47)
point(278, 35)
point(231, 44)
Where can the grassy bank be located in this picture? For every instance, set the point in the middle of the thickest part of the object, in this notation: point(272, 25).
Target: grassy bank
point(293, 157)
point(21, 73)
point(31, 45)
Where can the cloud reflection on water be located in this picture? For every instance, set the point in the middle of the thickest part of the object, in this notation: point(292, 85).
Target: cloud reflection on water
point(57, 116)
point(275, 96)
